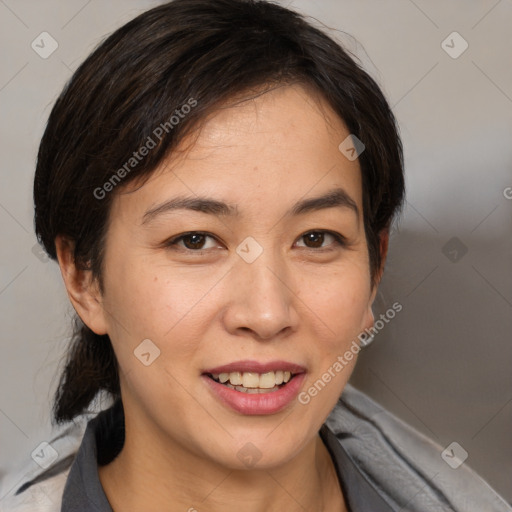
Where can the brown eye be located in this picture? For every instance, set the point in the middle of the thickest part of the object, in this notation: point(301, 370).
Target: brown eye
point(316, 239)
point(194, 242)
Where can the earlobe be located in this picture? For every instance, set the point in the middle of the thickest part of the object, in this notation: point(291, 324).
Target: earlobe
point(82, 288)
point(369, 318)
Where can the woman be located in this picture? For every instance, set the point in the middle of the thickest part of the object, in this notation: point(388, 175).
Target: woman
point(217, 183)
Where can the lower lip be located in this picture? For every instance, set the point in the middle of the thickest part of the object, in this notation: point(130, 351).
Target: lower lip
point(260, 403)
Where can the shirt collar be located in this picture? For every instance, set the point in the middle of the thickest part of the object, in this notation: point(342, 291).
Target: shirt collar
point(359, 493)
point(83, 490)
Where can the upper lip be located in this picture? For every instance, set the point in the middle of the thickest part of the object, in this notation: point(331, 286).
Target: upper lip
point(257, 367)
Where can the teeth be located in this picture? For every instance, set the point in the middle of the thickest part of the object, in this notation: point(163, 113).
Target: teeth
point(235, 378)
point(253, 381)
point(267, 380)
point(250, 380)
point(252, 391)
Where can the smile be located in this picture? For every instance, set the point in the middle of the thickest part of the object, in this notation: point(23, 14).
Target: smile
point(254, 388)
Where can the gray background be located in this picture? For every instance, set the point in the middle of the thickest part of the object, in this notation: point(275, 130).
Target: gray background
point(443, 363)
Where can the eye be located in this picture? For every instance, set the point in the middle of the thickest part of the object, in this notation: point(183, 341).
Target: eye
point(315, 239)
point(192, 241)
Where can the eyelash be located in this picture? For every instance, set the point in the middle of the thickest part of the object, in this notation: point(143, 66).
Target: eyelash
point(339, 239)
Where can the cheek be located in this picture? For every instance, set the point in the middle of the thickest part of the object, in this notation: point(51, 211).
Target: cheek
point(155, 333)
point(170, 310)
point(340, 301)
point(338, 312)
point(152, 301)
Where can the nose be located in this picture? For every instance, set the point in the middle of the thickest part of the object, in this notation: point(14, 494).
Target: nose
point(261, 299)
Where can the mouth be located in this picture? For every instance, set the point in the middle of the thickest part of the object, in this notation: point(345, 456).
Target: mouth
point(252, 388)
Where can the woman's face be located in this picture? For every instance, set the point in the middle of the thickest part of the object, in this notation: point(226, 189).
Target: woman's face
point(255, 285)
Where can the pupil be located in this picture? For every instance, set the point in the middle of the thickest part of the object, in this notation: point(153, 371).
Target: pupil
point(315, 237)
point(196, 240)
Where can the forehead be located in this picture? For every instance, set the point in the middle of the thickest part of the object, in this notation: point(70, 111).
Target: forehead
point(270, 150)
point(282, 125)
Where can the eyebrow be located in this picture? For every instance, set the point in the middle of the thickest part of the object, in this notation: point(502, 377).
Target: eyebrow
point(336, 198)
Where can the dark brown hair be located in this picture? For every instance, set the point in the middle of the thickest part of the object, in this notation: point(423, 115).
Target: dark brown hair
point(186, 51)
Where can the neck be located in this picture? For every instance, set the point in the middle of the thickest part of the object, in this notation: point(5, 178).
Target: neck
point(144, 477)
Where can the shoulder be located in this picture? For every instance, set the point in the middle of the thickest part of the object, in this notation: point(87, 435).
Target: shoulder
point(406, 467)
point(38, 487)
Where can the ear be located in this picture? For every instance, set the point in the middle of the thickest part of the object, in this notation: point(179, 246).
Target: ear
point(383, 248)
point(83, 290)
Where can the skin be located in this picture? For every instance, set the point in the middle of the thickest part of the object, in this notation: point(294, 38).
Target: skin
point(300, 301)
